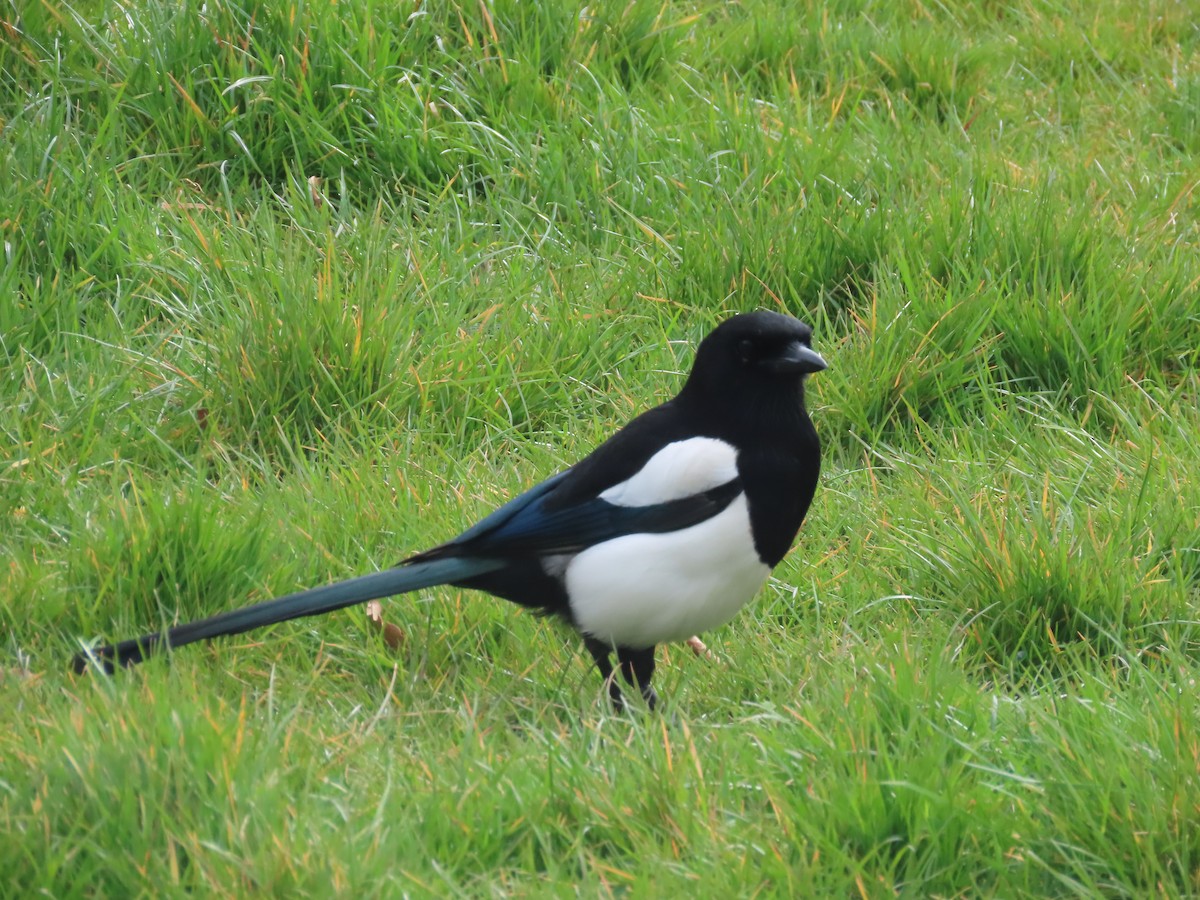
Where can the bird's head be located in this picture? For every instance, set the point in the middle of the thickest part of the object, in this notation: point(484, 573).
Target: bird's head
point(754, 354)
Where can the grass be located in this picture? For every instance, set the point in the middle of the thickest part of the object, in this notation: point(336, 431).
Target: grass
point(291, 290)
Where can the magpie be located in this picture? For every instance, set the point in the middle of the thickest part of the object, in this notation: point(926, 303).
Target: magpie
point(666, 530)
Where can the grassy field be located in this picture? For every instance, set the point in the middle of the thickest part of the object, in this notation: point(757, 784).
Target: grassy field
point(290, 290)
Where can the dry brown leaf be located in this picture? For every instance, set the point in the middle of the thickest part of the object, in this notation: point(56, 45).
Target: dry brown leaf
point(393, 635)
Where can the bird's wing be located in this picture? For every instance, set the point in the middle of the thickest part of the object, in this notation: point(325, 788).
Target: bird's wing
point(497, 519)
point(539, 529)
point(682, 484)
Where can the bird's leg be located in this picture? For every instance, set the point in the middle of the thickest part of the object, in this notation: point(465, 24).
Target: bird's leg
point(600, 652)
point(638, 668)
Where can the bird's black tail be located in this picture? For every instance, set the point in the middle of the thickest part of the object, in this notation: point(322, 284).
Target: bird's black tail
point(311, 602)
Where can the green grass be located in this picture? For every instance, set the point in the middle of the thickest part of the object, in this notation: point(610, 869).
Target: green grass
point(291, 290)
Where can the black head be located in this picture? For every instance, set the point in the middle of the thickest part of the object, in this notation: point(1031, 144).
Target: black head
point(752, 354)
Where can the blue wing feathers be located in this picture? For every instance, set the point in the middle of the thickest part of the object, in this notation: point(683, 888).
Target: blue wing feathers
point(533, 525)
point(498, 517)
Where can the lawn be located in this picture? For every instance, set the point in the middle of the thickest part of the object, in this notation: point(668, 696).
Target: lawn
point(291, 290)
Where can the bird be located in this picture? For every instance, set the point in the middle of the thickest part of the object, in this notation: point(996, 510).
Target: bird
point(666, 530)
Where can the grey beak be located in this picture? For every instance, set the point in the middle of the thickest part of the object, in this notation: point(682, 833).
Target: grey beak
point(797, 359)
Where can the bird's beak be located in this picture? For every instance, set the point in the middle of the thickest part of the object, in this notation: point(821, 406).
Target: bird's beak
point(797, 359)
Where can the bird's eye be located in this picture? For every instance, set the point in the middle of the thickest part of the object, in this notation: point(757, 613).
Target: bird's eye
point(746, 350)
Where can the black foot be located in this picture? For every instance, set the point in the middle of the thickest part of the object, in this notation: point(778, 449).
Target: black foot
point(637, 667)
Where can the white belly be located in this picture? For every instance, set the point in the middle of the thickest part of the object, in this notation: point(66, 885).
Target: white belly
point(644, 589)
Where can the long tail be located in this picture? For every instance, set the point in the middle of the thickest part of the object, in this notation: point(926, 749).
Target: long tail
point(312, 602)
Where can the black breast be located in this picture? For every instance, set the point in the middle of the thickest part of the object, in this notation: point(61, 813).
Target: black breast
point(780, 480)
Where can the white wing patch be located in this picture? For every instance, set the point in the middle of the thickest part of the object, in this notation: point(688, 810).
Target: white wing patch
point(644, 589)
point(678, 470)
